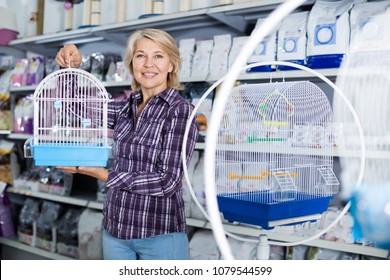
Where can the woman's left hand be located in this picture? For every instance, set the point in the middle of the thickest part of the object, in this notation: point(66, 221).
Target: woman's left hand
point(99, 173)
point(69, 169)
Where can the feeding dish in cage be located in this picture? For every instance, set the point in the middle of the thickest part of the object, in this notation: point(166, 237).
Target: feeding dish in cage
point(274, 161)
point(70, 121)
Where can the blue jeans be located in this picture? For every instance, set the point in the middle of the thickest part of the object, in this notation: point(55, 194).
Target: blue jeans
point(172, 246)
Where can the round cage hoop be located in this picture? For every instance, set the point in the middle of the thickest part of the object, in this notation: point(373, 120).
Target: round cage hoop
point(211, 164)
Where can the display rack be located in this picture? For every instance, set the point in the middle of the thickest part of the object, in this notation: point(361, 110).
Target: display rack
point(89, 201)
point(236, 19)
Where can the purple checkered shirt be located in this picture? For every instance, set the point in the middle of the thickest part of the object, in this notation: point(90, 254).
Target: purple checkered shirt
point(145, 184)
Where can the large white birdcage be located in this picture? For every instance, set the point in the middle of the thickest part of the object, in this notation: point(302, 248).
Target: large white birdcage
point(70, 121)
point(274, 154)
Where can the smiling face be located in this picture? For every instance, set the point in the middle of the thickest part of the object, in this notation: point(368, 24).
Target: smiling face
point(151, 65)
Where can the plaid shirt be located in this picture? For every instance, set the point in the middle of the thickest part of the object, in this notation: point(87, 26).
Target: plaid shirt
point(144, 186)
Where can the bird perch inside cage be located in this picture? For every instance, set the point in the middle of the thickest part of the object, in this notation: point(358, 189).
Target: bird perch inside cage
point(70, 121)
point(273, 156)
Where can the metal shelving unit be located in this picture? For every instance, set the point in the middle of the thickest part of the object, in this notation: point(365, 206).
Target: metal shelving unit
point(234, 18)
point(202, 24)
point(332, 245)
point(14, 243)
point(250, 231)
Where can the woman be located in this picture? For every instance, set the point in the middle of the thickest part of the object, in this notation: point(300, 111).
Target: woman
point(144, 209)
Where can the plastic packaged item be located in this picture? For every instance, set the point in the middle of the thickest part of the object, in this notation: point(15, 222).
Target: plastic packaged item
point(147, 8)
point(328, 32)
point(95, 12)
point(135, 9)
point(202, 246)
point(292, 39)
point(237, 45)
point(198, 188)
point(53, 17)
point(86, 6)
point(50, 65)
point(171, 6)
point(158, 7)
point(187, 50)
point(220, 56)
point(97, 65)
point(122, 73)
point(204, 112)
point(46, 235)
point(5, 101)
point(200, 4)
point(29, 179)
point(242, 250)
point(55, 181)
point(201, 61)
point(67, 233)
point(187, 197)
point(27, 221)
point(120, 10)
point(90, 235)
point(185, 5)
point(35, 71)
point(265, 51)
point(20, 72)
point(6, 174)
point(102, 191)
point(23, 116)
point(362, 15)
point(7, 228)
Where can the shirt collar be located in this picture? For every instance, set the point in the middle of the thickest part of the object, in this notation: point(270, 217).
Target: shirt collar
point(168, 95)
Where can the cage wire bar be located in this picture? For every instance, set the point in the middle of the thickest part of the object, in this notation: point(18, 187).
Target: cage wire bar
point(70, 120)
point(262, 173)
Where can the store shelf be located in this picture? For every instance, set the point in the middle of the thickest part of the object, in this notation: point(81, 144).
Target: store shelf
point(203, 23)
point(5, 132)
point(77, 201)
point(262, 148)
point(245, 230)
point(254, 76)
point(23, 89)
point(95, 205)
point(7, 50)
point(335, 152)
point(13, 242)
point(332, 245)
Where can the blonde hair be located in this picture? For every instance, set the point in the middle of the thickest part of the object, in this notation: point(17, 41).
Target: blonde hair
point(167, 43)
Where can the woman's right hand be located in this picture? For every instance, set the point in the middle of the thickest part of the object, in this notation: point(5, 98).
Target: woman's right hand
point(69, 56)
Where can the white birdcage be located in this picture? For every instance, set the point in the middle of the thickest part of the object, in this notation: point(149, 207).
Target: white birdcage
point(70, 121)
point(274, 161)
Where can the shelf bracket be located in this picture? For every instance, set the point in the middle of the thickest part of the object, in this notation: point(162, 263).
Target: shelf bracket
point(236, 22)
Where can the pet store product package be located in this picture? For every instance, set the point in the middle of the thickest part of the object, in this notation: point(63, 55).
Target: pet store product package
point(328, 32)
point(220, 56)
point(187, 50)
point(201, 62)
point(265, 50)
point(292, 39)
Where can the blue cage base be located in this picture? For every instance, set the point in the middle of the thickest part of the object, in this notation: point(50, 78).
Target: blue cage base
point(70, 155)
point(259, 209)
